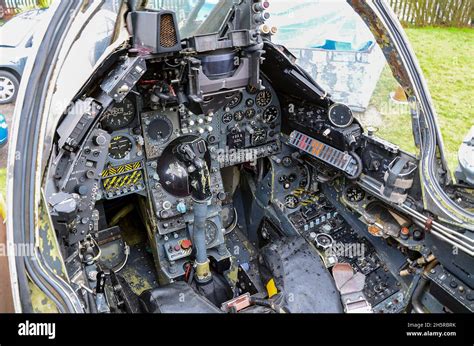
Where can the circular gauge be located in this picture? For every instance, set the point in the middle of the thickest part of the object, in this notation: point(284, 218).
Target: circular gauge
point(211, 232)
point(250, 113)
point(160, 129)
point(239, 116)
point(340, 115)
point(120, 147)
point(271, 114)
point(291, 201)
point(287, 162)
point(235, 100)
point(227, 118)
point(259, 136)
point(323, 241)
point(355, 194)
point(119, 116)
point(264, 98)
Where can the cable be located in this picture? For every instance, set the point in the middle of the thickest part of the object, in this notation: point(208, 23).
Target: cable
point(360, 166)
point(415, 299)
point(99, 251)
point(269, 304)
point(127, 253)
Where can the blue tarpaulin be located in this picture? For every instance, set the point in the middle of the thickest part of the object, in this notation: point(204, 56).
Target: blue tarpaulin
point(333, 44)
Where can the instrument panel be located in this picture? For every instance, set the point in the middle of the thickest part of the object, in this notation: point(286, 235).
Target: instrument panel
point(124, 169)
point(140, 158)
point(334, 124)
point(250, 120)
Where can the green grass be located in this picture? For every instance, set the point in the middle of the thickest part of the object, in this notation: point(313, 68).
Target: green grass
point(3, 181)
point(446, 56)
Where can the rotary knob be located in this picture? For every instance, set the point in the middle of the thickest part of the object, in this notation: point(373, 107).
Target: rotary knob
point(100, 140)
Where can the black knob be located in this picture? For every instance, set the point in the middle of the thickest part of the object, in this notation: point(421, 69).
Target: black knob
point(82, 190)
point(417, 235)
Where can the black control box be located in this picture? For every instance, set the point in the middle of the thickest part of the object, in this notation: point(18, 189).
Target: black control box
point(450, 291)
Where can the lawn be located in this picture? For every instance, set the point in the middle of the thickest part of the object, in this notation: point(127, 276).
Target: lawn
point(446, 58)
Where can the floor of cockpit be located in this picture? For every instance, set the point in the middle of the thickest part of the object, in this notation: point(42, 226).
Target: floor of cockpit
point(140, 272)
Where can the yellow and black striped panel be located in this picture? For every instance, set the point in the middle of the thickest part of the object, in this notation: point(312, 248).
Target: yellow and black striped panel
point(122, 180)
point(306, 197)
point(129, 167)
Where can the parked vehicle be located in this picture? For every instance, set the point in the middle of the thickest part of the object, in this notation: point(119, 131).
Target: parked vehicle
point(16, 40)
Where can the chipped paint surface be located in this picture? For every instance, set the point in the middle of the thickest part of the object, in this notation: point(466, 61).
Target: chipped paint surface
point(232, 274)
point(39, 301)
point(139, 271)
point(47, 242)
point(385, 42)
point(49, 248)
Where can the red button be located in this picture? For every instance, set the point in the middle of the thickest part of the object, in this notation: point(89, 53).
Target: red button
point(405, 231)
point(186, 244)
point(177, 248)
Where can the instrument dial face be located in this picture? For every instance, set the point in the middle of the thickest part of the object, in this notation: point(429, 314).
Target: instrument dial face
point(291, 201)
point(160, 129)
point(119, 116)
point(324, 241)
point(355, 194)
point(235, 100)
point(264, 98)
point(120, 147)
point(259, 136)
point(239, 116)
point(271, 114)
point(211, 232)
point(250, 113)
point(227, 118)
point(340, 115)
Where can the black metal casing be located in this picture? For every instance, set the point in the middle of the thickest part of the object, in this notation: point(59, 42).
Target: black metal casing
point(155, 32)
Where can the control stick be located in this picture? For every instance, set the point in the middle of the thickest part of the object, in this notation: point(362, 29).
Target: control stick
point(192, 154)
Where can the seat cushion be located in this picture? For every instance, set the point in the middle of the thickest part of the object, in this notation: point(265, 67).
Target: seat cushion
point(303, 282)
point(177, 297)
